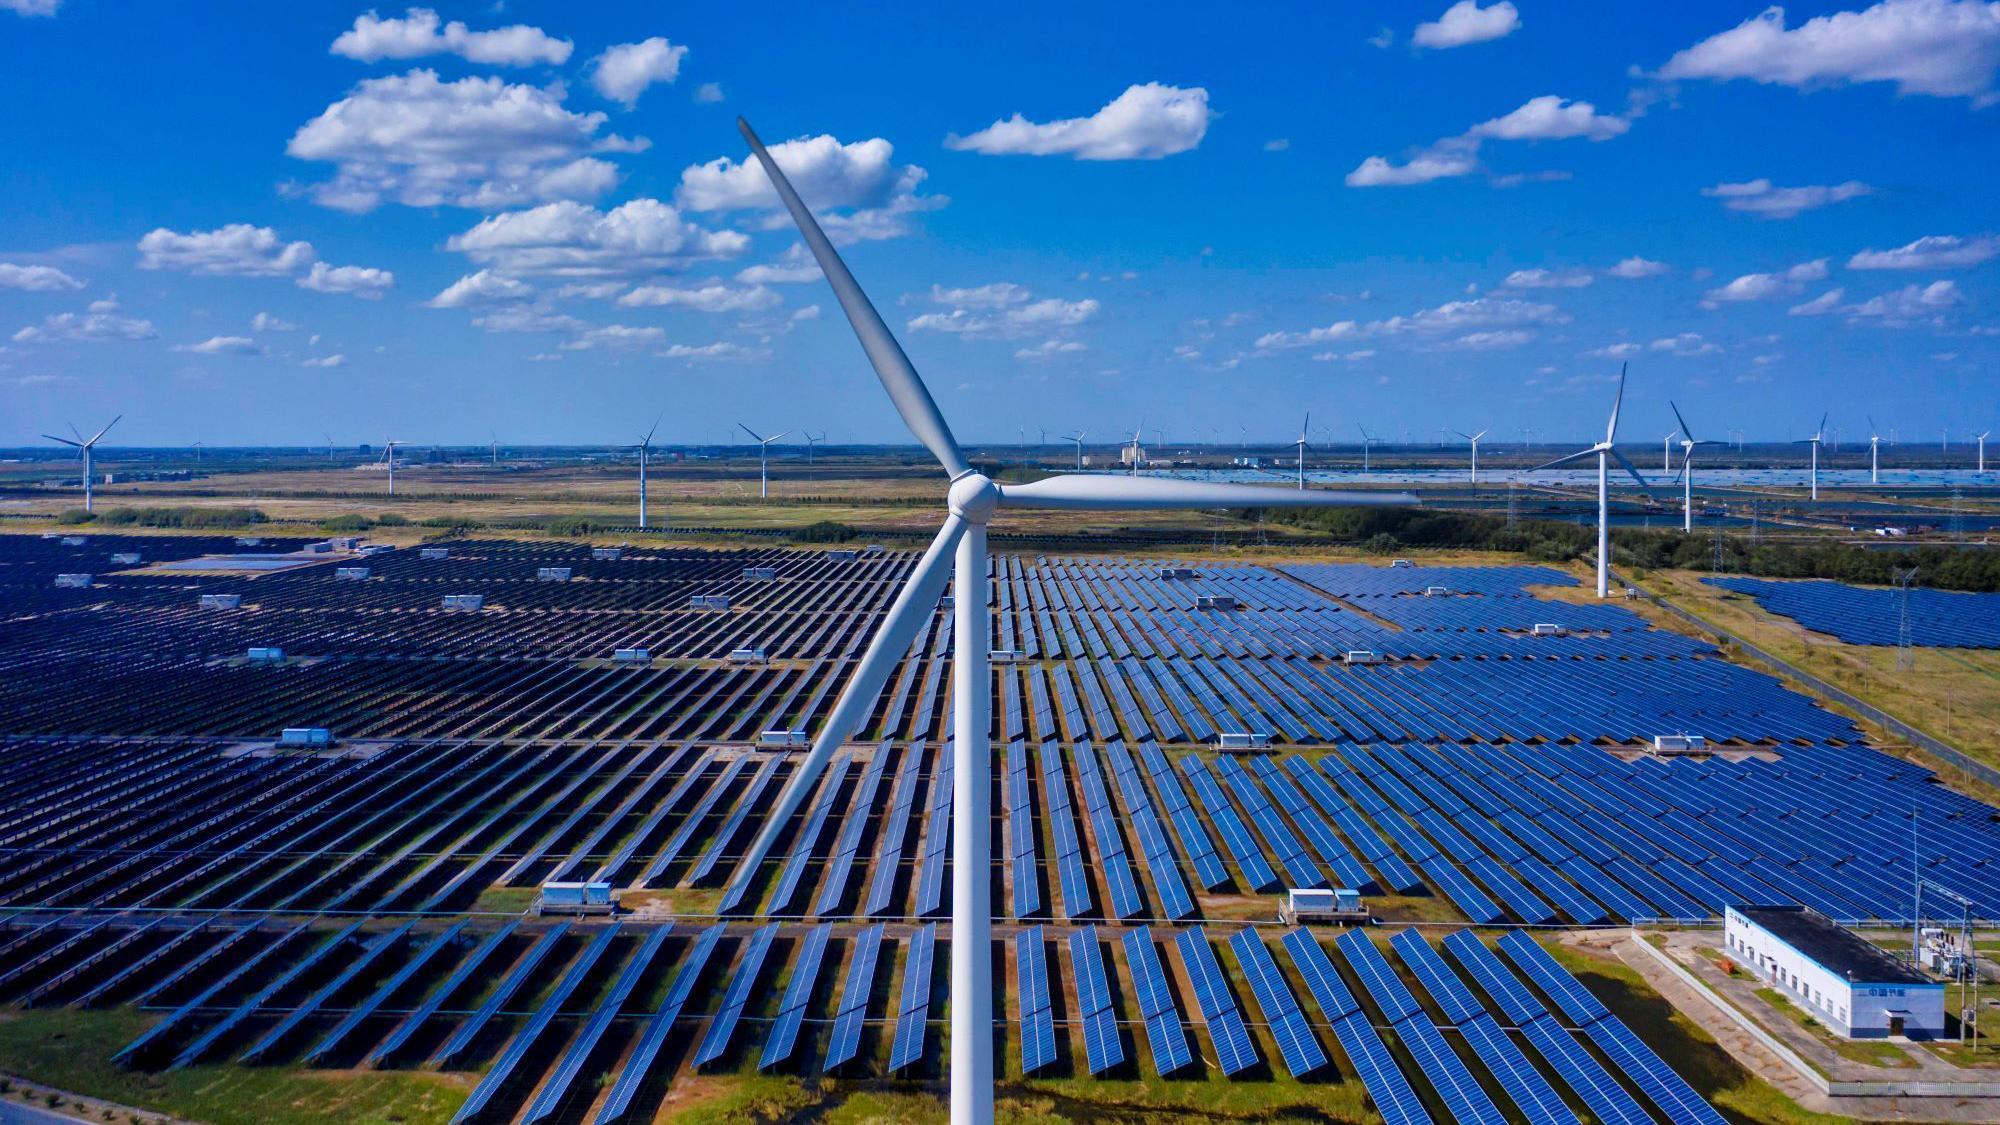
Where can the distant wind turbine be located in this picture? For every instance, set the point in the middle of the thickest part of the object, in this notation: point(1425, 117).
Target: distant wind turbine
point(197, 452)
point(1816, 440)
point(811, 441)
point(389, 458)
point(959, 552)
point(1367, 442)
point(1605, 451)
point(1474, 439)
point(1304, 429)
point(763, 460)
point(1077, 437)
point(645, 448)
point(1667, 451)
point(1874, 454)
point(87, 451)
point(1135, 446)
point(1981, 439)
point(329, 446)
point(1688, 444)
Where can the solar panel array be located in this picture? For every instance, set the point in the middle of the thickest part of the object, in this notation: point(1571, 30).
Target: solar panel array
point(1873, 615)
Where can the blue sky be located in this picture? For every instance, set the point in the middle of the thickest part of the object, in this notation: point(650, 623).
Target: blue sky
point(253, 222)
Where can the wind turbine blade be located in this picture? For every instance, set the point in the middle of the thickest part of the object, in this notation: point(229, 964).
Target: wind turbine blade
point(105, 430)
point(1463, 434)
point(906, 389)
point(1114, 492)
point(77, 432)
point(649, 433)
point(1643, 486)
point(1687, 458)
point(1683, 421)
point(775, 437)
point(1611, 431)
point(907, 614)
point(64, 440)
point(751, 432)
point(1561, 461)
point(1822, 426)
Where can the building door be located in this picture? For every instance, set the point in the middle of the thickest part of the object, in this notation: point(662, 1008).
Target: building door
point(1895, 1025)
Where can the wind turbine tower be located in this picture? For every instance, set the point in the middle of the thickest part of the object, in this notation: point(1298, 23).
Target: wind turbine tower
point(1874, 454)
point(1688, 444)
point(1605, 451)
point(1301, 443)
point(87, 451)
point(1667, 451)
point(645, 448)
point(1474, 439)
point(1367, 442)
point(1981, 439)
point(763, 460)
point(959, 552)
point(389, 459)
point(1077, 437)
point(1816, 440)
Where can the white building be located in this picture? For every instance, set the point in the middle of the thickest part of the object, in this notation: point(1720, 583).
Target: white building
point(1846, 982)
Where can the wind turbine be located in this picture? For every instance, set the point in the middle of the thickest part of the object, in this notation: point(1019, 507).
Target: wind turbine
point(1667, 451)
point(1304, 428)
point(646, 447)
point(810, 442)
point(1474, 439)
point(85, 450)
point(1604, 451)
point(1816, 440)
point(197, 452)
point(1135, 446)
point(1981, 439)
point(959, 551)
point(389, 458)
point(329, 446)
point(1367, 441)
point(1874, 454)
point(496, 451)
point(1077, 437)
point(1688, 444)
point(763, 460)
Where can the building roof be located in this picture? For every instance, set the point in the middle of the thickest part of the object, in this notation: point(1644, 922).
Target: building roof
point(1832, 946)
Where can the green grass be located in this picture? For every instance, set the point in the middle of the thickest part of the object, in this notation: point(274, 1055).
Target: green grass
point(72, 1051)
point(505, 900)
point(1693, 1053)
point(1867, 1052)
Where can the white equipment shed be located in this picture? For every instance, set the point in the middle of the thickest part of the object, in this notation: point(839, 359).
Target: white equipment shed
point(1853, 986)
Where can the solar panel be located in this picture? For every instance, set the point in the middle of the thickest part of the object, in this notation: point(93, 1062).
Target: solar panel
point(1301, 1051)
point(1031, 988)
point(1516, 1075)
point(1164, 1034)
point(1456, 1087)
point(914, 1013)
point(798, 994)
point(715, 1041)
point(1235, 836)
point(523, 970)
point(1576, 1001)
point(659, 1025)
point(1233, 1050)
point(501, 1072)
point(473, 962)
point(1387, 1087)
point(1102, 1047)
point(556, 1087)
point(846, 1039)
point(427, 953)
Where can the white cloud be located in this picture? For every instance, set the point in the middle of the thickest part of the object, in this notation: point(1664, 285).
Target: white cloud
point(1355, 356)
point(1687, 343)
point(809, 312)
point(477, 142)
point(1758, 197)
point(615, 336)
point(1001, 309)
point(417, 34)
point(37, 279)
point(720, 350)
point(1908, 304)
point(1550, 118)
point(1942, 48)
point(1466, 22)
point(1277, 144)
point(1826, 302)
point(623, 72)
point(360, 281)
point(1472, 317)
point(998, 294)
point(1338, 330)
point(857, 190)
point(710, 298)
point(1547, 279)
point(31, 7)
point(1049, 349)
point(708, 93)
point(1433, 164)
point(528, 318)
point(1932, 252)
point(793, 266)
point(482, 288)
point(335, 360)
point(1493, 340)
point(223, 345)
point(1635, 267)
point(1146, 122)
point(1615, 351)
point(101, 322)
point(574, 240)
point(1763, 286)
point(237, 249)
point(265, 322)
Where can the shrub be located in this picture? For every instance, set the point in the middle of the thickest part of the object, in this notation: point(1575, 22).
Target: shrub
point(392, 519)
point(825, 531)
point(183, 517)
point(576, 527)
point(76, 516)
point(341, 525)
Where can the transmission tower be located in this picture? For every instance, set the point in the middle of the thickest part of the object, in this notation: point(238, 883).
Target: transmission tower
point(1906, 659)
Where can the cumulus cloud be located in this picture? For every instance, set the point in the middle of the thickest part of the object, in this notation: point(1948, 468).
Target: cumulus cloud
point(335, 360)
point(708, 93)
point(36, 279)
point(1545, 118)
point(482, 288)
point(528, 318)
point(1909, 305)
point(1634, 268)
point(1049, 349)
point(101, 322)
point(711, 298)
point(31, 7)
point(1338, 330)
point(615, 336)
point(223, 345)
point(265, 322)
point(1146, 122)
point(237, 249)
point(360, 281)
point(720, 350)
point(793, 266)
point(857, 190)
point(1687, 343)
point(418, 33)
point(998, 294)
point(1466, 22)
point(1826, 302)
point(1941, 48)
point(575, 240)
point(1615, 351)
point(1493, 340)
point(1758, 197)
point(1763, 286)
point(624, 72)
point(1001, 309)
point(481, 143)
point(1932, 252)
point(1475, 319)
point(1547, 279)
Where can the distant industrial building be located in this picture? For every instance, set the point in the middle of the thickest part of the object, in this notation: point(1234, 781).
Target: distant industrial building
point(1848, 983)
